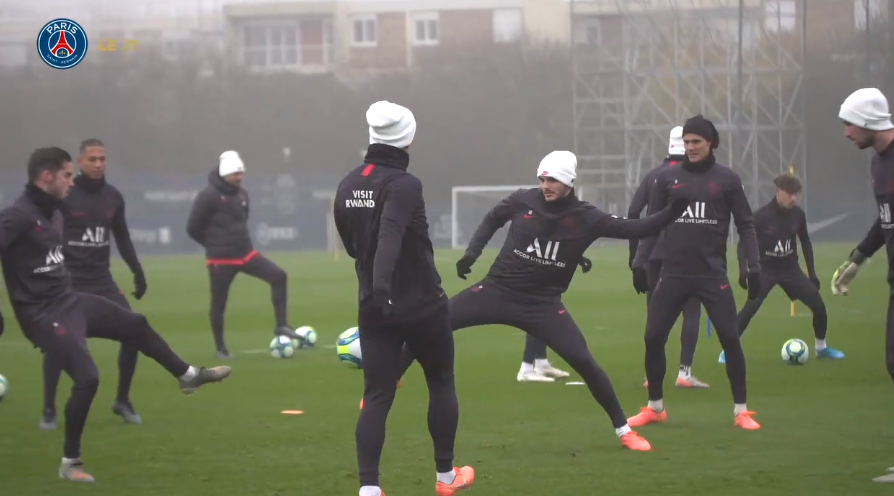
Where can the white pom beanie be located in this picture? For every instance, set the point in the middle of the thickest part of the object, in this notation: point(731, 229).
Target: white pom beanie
point(559, 165)
point(675, 142)
point(390, 124)
point(230, 163)
point(867, 108)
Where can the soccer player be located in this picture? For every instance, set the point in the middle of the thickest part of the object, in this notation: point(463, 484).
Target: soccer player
point(779, 225)
point(58, 320)
point(380, 216)
point(550, 229)
point(867, 123)
point(694, 264)
point(219, 222)
point(645, 278)
point(93, 210)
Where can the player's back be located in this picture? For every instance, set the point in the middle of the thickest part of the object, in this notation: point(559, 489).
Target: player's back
point(33, 263)
point(380, 216)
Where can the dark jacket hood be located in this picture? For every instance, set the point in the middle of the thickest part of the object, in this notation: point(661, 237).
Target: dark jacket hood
point(218, 182)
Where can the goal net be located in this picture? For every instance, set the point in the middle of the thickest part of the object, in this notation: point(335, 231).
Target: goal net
point(469, 204)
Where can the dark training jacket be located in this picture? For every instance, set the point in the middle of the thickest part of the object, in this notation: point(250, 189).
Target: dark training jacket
point(219, 220)
point(380, 216)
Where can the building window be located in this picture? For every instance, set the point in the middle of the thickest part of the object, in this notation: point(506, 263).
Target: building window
point(304, 44)
point(780, 15)
point(425, 28)
point(507, 25)
point(877, 11)
point(365, 30)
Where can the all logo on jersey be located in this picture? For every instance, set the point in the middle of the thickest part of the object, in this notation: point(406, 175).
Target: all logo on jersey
point(542, 252)
point(62, 43)
point(783, 248)
point(54, 260)
point(93, 237)
point(696, 213)
point(884, 215)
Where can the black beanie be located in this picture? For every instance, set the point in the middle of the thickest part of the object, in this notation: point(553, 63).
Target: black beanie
point(700, 126)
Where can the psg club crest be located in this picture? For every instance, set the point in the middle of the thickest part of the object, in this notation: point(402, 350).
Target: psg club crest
point(62, 43)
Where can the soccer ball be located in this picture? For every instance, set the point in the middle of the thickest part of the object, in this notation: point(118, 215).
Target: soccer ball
point(348, 348)
point(795, 352)
point(4, 387)
point(282, 347)
point(308, 337)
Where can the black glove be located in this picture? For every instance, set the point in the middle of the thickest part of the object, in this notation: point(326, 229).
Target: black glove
point(743, 280)
point(585, 264)
point(464, 266)
point(382, 299)
point(640, 280)
point(754, 285)
point(815, 280)
point(679, 206)
point(139, 284)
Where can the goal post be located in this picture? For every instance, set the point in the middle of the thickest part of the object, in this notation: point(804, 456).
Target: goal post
point(469, 204)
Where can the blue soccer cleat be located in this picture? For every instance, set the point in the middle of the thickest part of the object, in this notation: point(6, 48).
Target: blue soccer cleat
point(830, 353)
point(722, 358)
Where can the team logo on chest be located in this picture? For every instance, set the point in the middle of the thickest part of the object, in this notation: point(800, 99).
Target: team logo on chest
point(54, 260)
point(696, 213)
point(783, 248)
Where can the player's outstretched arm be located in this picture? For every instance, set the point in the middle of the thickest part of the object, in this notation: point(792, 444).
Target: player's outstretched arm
point(127, 251)
point(493, 220)
point(610, 226)
point(202, 209)
point(402, 199)
point(847, 271)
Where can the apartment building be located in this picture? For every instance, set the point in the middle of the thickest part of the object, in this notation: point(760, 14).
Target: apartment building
point(381, 35)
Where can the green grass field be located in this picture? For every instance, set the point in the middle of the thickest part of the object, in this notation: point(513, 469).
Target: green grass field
point(826, 426)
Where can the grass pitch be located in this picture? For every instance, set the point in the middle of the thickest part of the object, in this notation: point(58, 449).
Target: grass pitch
point(826, 425)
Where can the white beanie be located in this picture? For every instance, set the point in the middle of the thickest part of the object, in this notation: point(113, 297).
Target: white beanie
point(230, 163)
point(867, 108)
point(390, 124)
point(559, 165)
point(675, 142)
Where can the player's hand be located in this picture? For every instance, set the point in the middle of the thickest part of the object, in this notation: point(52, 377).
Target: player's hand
point(815, 280)
point(585, 264)
point(382, 299)
point(754, 285)
point(464, 266)
point(846, 273)
point(139, 285)
point(640, 280)
point(743, 281)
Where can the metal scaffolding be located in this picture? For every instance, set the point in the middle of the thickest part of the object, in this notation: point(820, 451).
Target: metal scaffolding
point(641, 67)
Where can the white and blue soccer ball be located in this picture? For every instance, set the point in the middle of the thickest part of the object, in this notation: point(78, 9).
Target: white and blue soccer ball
point(795, 352)
point(282, 347)
point(348, 348)
point(4, 387)
point(307, 337)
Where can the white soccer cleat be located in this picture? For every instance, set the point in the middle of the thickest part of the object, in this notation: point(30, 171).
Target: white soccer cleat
point(691, 382)
point(885, 479)
point(533, 377)
point(549, 371)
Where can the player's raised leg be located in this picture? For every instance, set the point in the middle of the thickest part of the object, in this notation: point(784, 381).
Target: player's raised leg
point(665, 305)
point(720, 305)
point(799, 287)
point(221, 277)
point(553, 324)
point(692, 312)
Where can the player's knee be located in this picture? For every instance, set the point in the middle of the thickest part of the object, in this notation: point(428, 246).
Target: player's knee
point(278, 277)
point(87, 382)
